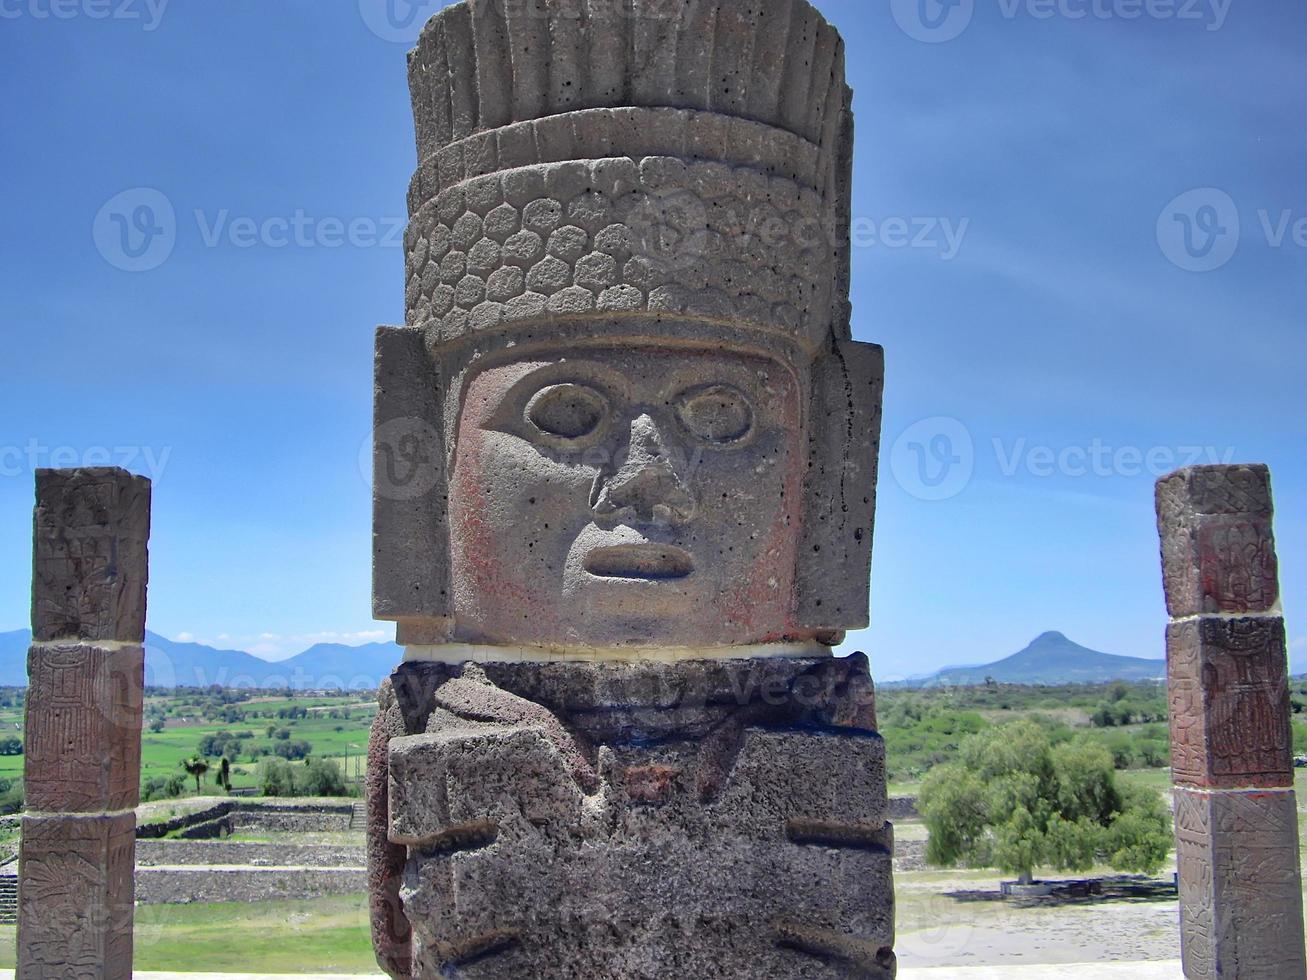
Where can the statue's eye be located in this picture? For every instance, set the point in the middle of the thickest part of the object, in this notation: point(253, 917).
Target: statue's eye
point(567, 411)
point(716, 414)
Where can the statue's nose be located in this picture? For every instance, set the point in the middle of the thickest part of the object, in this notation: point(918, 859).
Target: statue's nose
point(651, 483)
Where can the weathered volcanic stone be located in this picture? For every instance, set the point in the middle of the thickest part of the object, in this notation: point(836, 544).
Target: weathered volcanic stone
point(82, 765)
point(1229, 697)
point(77, 897)
point(1231, 735)
point(625, 483)
point(83, 731)
point(1218, 549)
point(1240, 891)
point(750, 822)
point(92, 528)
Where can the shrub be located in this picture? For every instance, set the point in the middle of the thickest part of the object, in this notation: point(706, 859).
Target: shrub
point(276, 778)
point(322, 777)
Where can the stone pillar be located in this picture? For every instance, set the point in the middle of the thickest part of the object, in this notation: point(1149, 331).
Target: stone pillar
point(86, 671)
point(1231, 741)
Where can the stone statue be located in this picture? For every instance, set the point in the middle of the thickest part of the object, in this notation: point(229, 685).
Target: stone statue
point(625, 468)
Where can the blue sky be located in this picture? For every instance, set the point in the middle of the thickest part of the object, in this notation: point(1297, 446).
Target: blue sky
point(1050, 336)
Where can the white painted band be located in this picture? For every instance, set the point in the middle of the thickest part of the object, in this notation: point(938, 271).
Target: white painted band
point(109, 646)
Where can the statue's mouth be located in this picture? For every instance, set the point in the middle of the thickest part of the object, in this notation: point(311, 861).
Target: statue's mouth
point(650, 562)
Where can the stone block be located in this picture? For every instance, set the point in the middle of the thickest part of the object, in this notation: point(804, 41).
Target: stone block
point(1229, 703)
point(90, 561)
point(1241, 913)
point(83, 728)
point(76, 897)
point(410, 536)
point(810, 786)
point(834, 554)
point(652, 907)
point(513, 871)
point(734, 831)
point(1218, 547)
point(474, 782)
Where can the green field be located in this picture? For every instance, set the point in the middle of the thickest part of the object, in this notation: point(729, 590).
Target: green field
point(326, 935)
point(188, 717)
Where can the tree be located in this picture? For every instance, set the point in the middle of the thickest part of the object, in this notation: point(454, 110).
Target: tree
point(322, 777)
point(277, 778)
point(197, 767)
point(298, 749)
point(1015, 801)
point(158, 723)
point(224, 774)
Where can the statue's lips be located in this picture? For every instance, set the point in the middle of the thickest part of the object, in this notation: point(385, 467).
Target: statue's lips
point(639, 561)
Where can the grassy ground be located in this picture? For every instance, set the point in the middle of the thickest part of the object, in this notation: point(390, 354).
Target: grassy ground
point(327, 935)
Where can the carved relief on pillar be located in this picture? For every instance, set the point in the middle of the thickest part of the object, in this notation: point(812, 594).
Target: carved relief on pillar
point(1218, 549)
point(1240, 897)
point(1229, 699)
point(89, 565)
point(77, 884)
point(83, 751)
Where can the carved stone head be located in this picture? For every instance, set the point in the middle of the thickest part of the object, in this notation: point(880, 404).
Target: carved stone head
point(627, 410)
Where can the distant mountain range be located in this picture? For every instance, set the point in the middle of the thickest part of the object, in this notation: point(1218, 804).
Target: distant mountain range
point(172, 664)
point(1050, 659)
